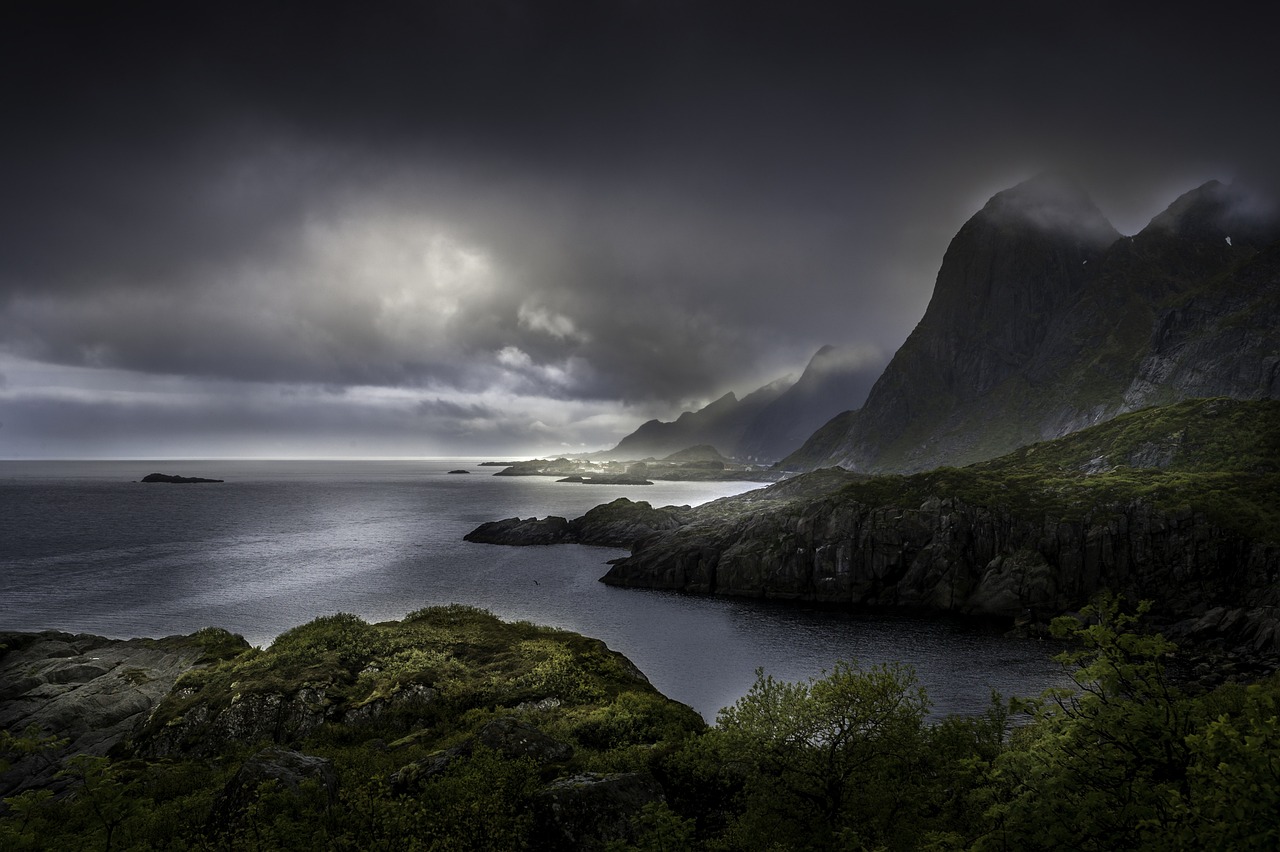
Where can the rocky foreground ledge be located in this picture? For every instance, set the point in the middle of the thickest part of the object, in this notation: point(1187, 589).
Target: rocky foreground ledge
point(90, 691)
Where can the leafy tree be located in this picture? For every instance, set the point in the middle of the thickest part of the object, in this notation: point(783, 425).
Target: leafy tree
point(828, 763)
point(1103, 764)
point(1233, 796)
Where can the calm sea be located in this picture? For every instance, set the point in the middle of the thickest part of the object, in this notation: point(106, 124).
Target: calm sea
point(84, 547)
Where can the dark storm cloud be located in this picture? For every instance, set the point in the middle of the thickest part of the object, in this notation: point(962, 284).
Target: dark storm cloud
point(631, 201)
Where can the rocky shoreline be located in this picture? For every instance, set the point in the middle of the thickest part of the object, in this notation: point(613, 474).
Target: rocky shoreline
point(621, 523)
point(1024, 538)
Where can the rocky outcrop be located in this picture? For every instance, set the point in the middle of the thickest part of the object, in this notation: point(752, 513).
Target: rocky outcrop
point(510, 736)
point(517, 739)
point(621, 523)
point(208, 728)
point(592, 810)
point(288, 770)
point(552, 529)
point(89, 691)
point(1174, 504)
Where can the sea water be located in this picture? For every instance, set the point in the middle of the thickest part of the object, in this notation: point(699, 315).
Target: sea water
point(85, 547)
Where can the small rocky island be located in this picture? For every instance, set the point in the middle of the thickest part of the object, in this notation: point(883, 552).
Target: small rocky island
point(176, 480)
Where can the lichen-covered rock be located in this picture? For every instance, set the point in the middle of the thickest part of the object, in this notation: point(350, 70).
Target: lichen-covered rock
point(90, 691)
point(270, 717)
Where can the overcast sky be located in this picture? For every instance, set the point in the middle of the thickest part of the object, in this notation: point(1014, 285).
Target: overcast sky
point(517, 228)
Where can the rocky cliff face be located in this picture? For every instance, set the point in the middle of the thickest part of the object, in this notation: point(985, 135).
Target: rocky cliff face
point(944, 554)
point(1044, 321)
point(1173, 504)
point(621, 523)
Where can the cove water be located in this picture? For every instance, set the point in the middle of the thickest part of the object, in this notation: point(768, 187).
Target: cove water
point(85, 547)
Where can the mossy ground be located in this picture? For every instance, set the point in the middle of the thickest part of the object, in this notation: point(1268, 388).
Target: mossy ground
point(1216, 457)
point(478, 668)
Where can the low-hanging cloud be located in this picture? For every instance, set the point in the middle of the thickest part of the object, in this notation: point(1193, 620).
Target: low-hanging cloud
point(616, 210)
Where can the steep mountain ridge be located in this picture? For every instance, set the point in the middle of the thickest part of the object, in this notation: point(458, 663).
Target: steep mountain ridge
point(1044, 320)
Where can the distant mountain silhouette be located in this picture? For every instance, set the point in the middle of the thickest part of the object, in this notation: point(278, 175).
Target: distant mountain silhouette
point(771, 421)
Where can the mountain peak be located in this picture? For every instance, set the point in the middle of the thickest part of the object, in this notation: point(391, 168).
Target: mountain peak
point(839, 359)
point(1216, 211)
point(1050, 202)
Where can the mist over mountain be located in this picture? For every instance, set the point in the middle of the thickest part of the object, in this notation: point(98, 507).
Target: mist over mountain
point(771, 421)
point(836, 379)
point(721, 424)
point(1044, 320)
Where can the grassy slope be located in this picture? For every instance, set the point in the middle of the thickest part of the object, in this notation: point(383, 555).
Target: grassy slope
point(1220, 457)
point(479, 665)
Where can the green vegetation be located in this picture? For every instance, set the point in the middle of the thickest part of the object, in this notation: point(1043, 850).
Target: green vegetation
point(402, 710)
point(1219, 457)
point(849, 760)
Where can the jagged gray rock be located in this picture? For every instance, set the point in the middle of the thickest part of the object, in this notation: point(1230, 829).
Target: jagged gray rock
point(92, 691)
point(278, 717)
